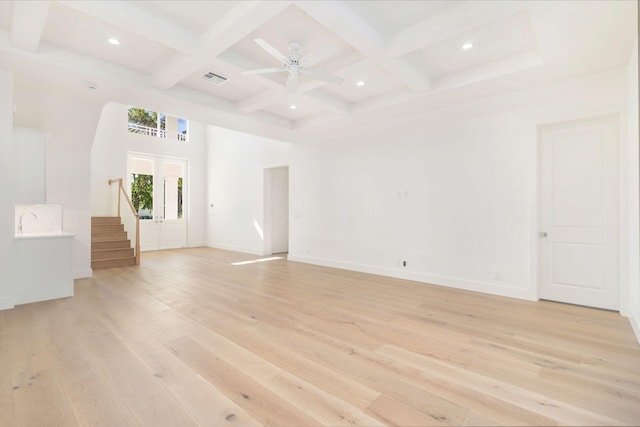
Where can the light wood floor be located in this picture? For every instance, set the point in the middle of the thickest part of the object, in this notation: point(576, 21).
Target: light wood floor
point(188, 338)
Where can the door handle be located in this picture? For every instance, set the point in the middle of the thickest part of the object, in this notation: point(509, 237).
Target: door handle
point(543, 234)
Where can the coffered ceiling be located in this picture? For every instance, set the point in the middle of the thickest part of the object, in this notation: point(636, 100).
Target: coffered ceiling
point(407, 54)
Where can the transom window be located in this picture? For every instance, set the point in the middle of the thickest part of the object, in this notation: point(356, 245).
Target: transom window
point(161, 125)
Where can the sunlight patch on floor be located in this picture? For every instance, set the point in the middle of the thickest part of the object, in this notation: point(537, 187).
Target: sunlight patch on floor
point(253, 261)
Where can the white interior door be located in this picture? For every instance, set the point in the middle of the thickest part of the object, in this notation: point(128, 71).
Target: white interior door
point(158, 190)
point(578, 240)
point(280, 210)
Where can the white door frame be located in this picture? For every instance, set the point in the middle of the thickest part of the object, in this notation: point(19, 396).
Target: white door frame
point(267, 226)
point(544, 120)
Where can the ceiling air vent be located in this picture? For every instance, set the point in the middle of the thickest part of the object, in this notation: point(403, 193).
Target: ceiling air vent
point(214, 78)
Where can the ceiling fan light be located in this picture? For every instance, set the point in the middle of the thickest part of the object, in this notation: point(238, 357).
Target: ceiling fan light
point(467, 46)
point(113, 41)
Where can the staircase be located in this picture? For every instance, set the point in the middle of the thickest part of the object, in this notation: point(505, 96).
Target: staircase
point(109, 244)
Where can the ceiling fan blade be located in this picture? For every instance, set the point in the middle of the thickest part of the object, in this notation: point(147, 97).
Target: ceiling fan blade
point(322, 76)
point(265, 70)
point(272, 51)
point(292, 82)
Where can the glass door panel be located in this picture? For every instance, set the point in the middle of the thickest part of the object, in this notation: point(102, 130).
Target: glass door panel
point(141, 184)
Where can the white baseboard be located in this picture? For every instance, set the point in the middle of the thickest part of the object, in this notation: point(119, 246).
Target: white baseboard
point(469, 285)
point(197, 244)
point(236, 248)
point(634, 319)
point(7, 303)
point(82, 273)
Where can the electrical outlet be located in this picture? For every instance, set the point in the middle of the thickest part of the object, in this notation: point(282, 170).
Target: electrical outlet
point(404, 263)
point(497, 276)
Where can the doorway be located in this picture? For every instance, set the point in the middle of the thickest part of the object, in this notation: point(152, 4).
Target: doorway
point(158, 189)
point(276, 210)
point(578, 215)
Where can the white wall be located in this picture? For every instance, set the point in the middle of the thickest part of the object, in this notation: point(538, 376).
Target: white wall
point(449, 197)
point(70, 124)
point(109, 160)
point(633, 192)
point(236, 163)
point(452, 192)
point(29, 158)
point(6, 190)
point(108, 157)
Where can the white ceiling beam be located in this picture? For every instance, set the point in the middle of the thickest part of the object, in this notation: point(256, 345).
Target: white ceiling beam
point(403, 71)
point(455, 20)
point(242, 20)
point(341, 20)
point(175, 69)
point(232, 27)
point(242, 63)
point(384, 101)
point(126, 15)
point(260, 101)
point(334, 103)
point(318, 120)
point(501, 67)
point(27, 23)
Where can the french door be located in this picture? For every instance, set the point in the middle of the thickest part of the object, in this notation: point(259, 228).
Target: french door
point(158, 189)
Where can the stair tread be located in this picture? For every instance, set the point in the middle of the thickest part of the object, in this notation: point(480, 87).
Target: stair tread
point(106, 242)
point(109, 249)
point(112, 244)
point(115, 259)
point(106, 232)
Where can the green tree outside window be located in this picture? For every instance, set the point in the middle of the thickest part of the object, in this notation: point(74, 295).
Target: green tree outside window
point(142, 194)
point(143, 117)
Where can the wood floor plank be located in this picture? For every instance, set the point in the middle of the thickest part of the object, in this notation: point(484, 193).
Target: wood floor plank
point(519, 396)
point(94, 401)
point(197, 337)
point(7, 410)
point(395, 413)
point(208, 405)
point(35, 375)
point(322, 406)
point(315, 373)
point(143, 394)
point(390, 378)
point(255, 399)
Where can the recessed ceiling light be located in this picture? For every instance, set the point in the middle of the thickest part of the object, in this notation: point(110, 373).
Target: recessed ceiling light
point(360, 83)
point(467, 45)
point(293, 107)
point(114, 41)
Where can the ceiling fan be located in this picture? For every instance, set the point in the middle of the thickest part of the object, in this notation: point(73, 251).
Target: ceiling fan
point(293, 64)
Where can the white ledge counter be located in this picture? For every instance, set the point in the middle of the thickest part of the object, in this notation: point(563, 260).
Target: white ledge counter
point(50, 235)
point(43, 266)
